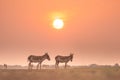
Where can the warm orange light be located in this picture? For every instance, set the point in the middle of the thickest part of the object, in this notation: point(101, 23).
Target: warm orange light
point(58, 23)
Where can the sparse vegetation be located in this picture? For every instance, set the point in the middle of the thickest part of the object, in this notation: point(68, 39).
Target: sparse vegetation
point(84, 73)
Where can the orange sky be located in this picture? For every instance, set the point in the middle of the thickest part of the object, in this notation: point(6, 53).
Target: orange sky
point(91, 30)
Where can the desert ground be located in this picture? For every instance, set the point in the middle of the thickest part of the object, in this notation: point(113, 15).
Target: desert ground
point(84, 73)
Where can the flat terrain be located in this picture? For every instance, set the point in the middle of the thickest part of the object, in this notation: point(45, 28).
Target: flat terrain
point(99, 73)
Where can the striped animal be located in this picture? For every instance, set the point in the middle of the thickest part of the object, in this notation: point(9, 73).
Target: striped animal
point(37, 59)
point(63, 59)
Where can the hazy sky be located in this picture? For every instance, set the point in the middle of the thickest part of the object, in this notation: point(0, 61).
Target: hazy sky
point(91, 30)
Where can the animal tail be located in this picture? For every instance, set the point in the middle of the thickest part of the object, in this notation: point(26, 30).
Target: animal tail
point(28, 59)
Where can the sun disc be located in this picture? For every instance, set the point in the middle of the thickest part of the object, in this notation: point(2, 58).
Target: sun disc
point(58, 23)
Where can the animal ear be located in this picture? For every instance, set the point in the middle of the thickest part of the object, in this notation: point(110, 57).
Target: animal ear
point(46, 53)
point(71, 54)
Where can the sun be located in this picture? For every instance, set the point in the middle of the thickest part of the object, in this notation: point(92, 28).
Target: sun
point(58, 23)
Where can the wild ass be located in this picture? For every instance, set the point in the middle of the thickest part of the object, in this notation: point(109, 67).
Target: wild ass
point(63, 59)
point(37, 59)
point(5, 66)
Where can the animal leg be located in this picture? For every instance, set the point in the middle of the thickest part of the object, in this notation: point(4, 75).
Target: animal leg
point(38, 65)
point(29, 65)
point(57, 65)
point(65, 65)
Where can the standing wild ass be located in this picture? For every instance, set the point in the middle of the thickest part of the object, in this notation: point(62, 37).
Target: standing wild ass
point(63, 59)
point(37, 59)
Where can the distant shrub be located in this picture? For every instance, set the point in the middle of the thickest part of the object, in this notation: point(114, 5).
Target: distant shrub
point(93, 65)
point(116, 65)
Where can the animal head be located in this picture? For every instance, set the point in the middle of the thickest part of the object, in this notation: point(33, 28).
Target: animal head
point(47, 56)
point(71, 57)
